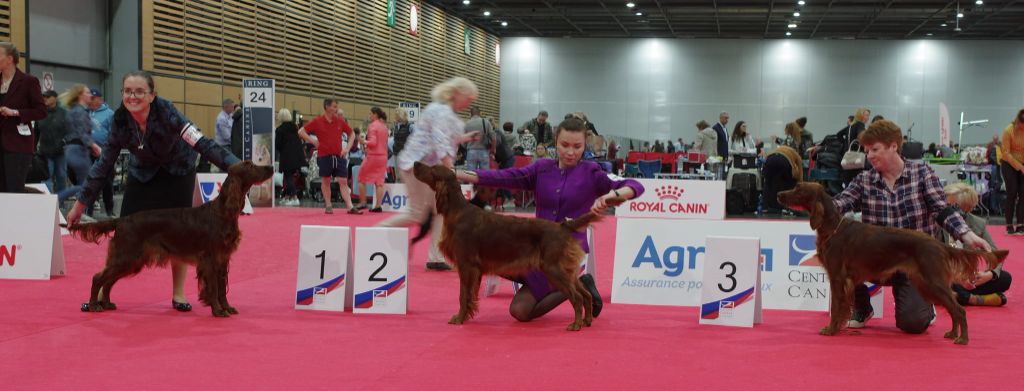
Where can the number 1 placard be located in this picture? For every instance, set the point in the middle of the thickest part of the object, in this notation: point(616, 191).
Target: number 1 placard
point(731, 290)
point(323, 266)
point(380, 271)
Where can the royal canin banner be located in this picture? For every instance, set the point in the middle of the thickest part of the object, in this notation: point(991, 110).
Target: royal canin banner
point(677, 199)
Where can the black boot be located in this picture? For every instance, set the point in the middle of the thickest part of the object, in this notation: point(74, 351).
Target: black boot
point(588, 282)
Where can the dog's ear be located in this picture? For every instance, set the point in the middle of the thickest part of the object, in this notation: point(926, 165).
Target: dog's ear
point(817, 208)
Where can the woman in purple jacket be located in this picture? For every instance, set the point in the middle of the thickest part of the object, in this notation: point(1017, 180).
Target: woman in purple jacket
point(564, 188)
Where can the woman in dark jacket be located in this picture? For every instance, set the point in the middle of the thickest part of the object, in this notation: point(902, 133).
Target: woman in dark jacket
point(289, 147)
point(21, 102)
point(165, 147)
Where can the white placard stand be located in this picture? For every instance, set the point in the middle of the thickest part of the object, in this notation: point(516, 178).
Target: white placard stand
point(380, 270)
point(324, 258)
point(30, 244)
point(208, 188)
point(63, 221)
point(731, 289)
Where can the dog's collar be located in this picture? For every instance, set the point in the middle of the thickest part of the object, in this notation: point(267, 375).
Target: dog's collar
point(834, 231)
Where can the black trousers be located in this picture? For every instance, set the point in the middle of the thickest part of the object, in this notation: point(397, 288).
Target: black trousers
point(1014, 193)
point(995, 286)
point(14, 168)
point(913, 312)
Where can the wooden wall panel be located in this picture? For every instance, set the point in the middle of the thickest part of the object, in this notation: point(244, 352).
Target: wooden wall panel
point(315, 49)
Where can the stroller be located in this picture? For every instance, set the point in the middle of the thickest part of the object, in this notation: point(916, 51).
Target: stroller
point(742, 184)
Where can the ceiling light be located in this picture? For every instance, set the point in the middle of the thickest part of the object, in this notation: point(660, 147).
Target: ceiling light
point(630, 4)
point(929, 34)
point(979, 2)
point(944, 25)
point(792, 25)
point(796, 13)
point(487, 13)
point(466, 2)
point(788, 33)
point(504, 24)
point(959, 14)
point(638, 13)
point(801, 2)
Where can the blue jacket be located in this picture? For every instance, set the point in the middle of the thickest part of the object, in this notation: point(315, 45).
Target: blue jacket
point(102, 119)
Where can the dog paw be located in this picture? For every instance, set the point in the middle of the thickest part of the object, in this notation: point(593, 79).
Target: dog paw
point(456, 319)
point(231, 310)
point(221, 313)
point(574, 326)
point(960, 341)
point(588, 322)
point(95, 307)
point(109, 306)
point(950, 335)
point(829, 331)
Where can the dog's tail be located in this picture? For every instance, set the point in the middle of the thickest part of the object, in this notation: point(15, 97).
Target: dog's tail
point(93, 232)
point(964, 262)
point(424, 228)
point(581, 223)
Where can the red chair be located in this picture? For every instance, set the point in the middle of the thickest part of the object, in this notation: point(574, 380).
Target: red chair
point(523, 198)
point(653, 156)
point(671, 160)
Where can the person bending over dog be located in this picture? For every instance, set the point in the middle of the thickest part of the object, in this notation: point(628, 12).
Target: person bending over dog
point(989, 286)
point(162, 172)
point(902, 194)
point(565, 188)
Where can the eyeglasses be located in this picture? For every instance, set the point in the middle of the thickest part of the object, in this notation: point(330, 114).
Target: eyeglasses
point(134, 93)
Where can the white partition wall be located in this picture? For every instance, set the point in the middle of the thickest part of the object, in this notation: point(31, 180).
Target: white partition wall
point(658, 88)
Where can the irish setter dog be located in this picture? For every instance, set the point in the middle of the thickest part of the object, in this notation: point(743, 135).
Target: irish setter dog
point(203, 236)
point(853, 252)
point(479, 242)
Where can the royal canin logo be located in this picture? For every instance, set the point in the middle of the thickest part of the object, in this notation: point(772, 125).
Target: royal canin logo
point(669, 193)
point(9, 253)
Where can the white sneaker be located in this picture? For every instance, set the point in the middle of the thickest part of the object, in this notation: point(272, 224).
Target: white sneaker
point(859, 320)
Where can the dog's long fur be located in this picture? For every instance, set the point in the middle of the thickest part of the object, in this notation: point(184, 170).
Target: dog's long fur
point(480, 242)
point(203, 236)
point(853, 252)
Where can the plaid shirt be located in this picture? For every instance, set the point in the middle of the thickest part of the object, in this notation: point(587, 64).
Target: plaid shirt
point(914, 202)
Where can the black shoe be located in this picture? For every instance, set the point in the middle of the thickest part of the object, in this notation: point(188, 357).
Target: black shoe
point(376, 210)
point(860, 318)
point(1019, 230)
point(588, 282)
point(438, 266)
point(1010, 230)
point(1002, 297)
point(181, 307)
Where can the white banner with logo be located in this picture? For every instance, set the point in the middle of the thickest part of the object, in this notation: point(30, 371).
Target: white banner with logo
point(208, 188)
point(30, 244)
point(677, 199)
point(396, 197)
point(943, 124)
point(662, 262)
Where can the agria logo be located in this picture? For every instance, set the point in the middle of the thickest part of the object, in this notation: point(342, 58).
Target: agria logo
point(802, 251)
point(8, 254)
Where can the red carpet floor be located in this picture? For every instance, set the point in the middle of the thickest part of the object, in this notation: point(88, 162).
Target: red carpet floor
point(47, 344)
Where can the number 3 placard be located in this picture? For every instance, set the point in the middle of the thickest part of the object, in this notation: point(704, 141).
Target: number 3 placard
point(380, 271)
point(731, 289)
point(323, 264)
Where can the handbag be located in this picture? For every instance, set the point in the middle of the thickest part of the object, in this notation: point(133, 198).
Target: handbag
point(852, 160)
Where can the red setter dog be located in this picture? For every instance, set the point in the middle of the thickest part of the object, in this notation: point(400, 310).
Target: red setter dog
point(480, 242)
point(204, 236)
point(853, 252)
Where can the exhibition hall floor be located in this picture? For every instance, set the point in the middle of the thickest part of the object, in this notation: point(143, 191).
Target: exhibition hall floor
point(48, 344)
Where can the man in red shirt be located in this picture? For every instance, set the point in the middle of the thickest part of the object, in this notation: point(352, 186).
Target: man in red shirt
point(330, 153)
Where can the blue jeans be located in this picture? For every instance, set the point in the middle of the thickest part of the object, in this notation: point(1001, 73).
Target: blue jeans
point(58, 173)
point(478, 159)
point(78, 160)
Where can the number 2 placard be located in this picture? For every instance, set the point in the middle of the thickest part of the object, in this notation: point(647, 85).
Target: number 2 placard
point(323, 268)
point(731, 289)
point(380, 271)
